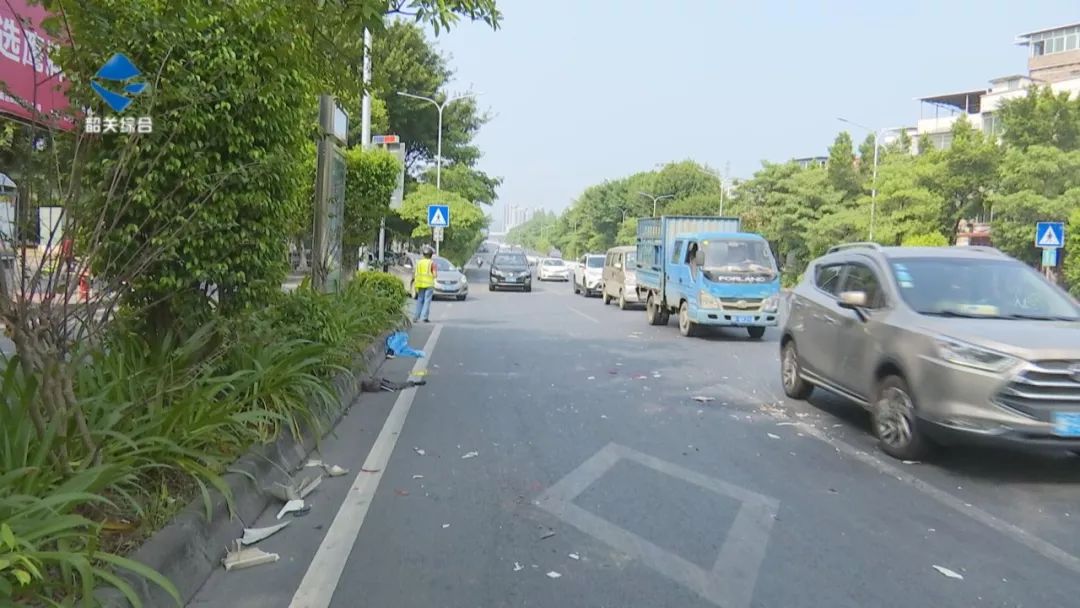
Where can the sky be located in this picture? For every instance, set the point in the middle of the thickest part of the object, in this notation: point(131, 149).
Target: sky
point(583, 91)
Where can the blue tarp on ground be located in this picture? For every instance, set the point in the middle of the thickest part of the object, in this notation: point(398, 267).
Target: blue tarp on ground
point(397, 344)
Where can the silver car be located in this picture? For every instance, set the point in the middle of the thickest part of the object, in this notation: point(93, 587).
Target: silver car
point(939, 344)
point(450, 282)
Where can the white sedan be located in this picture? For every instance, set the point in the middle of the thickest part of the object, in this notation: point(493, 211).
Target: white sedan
point(553, 269)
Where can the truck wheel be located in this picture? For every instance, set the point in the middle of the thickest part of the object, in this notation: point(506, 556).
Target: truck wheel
point(622, 300)
point(652, 311)
point(755, 332)
point(686, 327)
point(606, 298)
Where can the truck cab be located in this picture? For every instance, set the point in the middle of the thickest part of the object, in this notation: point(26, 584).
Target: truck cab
point(708, 279)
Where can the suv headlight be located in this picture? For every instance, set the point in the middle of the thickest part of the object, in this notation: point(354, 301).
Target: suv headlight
point(464, 279)
point(961, 353)
point(771, 304)
point(707, 300)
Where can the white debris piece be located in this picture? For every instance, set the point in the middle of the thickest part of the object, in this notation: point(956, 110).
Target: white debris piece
point(703, 399)
point(417, 476)
point(949, 573)
point(773, 436)
point(336, 471)
point(254, 535)
point(445, 526)
point(591, 378)
point(554, 574)
point(472, 454)
point(518, 567)
point(785, 424)
point(290, 507)
point(604, 416)
point(308, 485)
point(419, 451)
point(910, 461)
point(237, 558)
point(314, 463)
point(574, 556)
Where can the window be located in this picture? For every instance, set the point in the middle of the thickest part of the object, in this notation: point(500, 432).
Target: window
point(1071, 42)
point(691, 251)
point(862, 278)
point(1037, 48)
point(828, 277)
point(675, 252)
point(595, 261)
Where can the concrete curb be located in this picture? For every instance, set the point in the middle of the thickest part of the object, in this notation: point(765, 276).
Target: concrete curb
point(188, 549)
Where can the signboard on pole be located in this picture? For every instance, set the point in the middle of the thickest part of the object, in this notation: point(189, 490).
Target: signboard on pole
point(438, 216)
point(393, 145)
point(1049, 257)
point(437, 234)
point(1050, 235)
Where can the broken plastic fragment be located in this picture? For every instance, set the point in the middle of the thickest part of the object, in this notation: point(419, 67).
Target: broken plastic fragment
point(254, 535)
point(314, 463)
point(336, 471)
point(467, 455)
point(284, 492)
point(417, 476)
point(237, 558)
point(518, 567)
point(772, 436)
point(308, 485)
point(575, 556)
point(419, 451)
point(949, 573)
point(591, 378)
point(703, 399)
point(554, 574)
point(290, 507)
point(445, 526)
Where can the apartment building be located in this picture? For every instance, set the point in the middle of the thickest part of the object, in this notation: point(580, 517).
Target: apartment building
point(1053, 60)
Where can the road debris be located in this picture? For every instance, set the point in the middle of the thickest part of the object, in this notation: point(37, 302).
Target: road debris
point(238, 558)
point(591, 378)
point(336, 471)
point(773, 436)
point(401, 492)
point(786, 424)
point(949, 573)
point(574, 556)
point(554, 574)
point(445, 526)
point(293, 506)
point(417, 476)
point(518, 567)
point(419, 451)
point(547, 535)
point(254, 535)
point(397, 344)
point(910, 462)
point(603, 416)
point(468, 455)
point(308, 485)
point(370, 470)
point(703, 399)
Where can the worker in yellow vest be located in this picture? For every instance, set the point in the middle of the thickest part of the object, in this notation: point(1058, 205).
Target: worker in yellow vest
point(424, 282)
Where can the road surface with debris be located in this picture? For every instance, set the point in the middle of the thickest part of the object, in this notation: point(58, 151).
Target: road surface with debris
point(564, 453)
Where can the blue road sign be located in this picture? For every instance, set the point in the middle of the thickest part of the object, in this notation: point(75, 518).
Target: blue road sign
point(1050, 235)
point(438, 216)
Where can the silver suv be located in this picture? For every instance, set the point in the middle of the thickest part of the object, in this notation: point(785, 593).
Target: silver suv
point(938, 344)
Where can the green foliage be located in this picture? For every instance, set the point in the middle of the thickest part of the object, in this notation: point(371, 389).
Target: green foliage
point(1071, 264)
point(933, 239)
point(841, 168)
point(370, 180)
point(1041, 118)
point(471, 183)
point(467, 221)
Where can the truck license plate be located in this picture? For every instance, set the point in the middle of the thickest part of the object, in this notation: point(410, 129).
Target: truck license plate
point(744, 319)
point(1067, 424)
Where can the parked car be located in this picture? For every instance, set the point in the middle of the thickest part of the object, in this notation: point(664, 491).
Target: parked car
point(589, 274)
point(552, 269)
point(450, 282)
point(939, 344)
point(510, 269)
point(619, 277)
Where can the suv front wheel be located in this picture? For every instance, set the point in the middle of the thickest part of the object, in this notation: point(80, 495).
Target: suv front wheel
point(895, 423)
point(791, 373)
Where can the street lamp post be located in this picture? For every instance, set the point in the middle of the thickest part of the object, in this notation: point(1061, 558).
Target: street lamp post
point(720, 178)
point(441, 107)
point(873, 178)
point(655, 199)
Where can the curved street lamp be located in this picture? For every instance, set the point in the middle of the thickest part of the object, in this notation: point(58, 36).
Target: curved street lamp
point(441, 107)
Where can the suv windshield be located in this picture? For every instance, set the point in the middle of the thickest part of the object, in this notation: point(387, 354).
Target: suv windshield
point(553, 263)
point(511, 259)
point(738, 256)
point(595, 261)
point(979, 288)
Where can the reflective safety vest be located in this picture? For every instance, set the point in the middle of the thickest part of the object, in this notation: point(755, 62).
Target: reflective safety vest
point(425, 274)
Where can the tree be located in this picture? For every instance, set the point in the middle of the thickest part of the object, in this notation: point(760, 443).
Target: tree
point(1071, 264)
point(907, 205)
point(841, 168)
point(473, 184)
point(370, 180)
point(467, 221)
point(866, 156)
point(1042, 117)
point(967, 175)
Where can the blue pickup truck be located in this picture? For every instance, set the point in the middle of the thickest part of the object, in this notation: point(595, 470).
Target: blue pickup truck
point(707, 272)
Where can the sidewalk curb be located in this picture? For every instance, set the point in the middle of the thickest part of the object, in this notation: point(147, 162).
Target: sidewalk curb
point(190, 548)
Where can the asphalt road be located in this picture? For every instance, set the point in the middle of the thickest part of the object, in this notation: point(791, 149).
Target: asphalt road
point(595, 463)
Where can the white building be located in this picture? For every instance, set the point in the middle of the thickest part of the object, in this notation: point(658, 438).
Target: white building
point(1053, 60)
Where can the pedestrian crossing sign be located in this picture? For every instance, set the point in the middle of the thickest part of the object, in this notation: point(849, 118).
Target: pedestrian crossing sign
point(1050, 235)
point(438, 216)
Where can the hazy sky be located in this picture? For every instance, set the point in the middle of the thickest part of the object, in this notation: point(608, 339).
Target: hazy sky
point(588, 90)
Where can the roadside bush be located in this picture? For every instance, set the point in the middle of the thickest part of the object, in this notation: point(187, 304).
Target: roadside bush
point(169, 414)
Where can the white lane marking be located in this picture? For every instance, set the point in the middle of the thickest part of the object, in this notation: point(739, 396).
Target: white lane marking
point(730, 582)
point(1018, 534)
point(325, 570)
point(589, 317)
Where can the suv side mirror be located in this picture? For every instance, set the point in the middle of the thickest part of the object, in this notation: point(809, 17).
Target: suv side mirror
point(853, 299)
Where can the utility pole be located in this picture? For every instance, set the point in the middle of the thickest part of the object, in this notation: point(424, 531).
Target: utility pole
point(365, 134)
point(655, 199)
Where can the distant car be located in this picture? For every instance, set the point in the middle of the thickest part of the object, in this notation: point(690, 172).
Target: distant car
point(939, 344)
point(553, 269)
point(588, 276)
point(450, 282)
point(619, 279)
point(510, 269)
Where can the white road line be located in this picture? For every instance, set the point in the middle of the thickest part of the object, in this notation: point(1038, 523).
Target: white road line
point(326, 568)
point(589, 317)
point(1018, 534)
